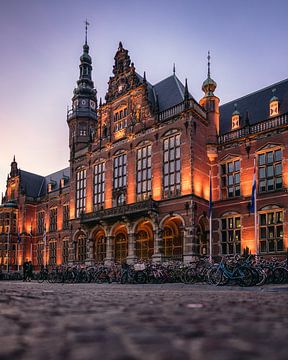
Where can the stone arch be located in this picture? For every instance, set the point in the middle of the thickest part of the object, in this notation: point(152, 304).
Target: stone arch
point(170, 216)
point(144, 239)
point(172, 236)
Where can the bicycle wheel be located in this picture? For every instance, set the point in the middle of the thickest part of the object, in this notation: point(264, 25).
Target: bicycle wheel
point(215, 276)
point(280, 275)
point(246, 277)
point(190, 276)
point(140, 277)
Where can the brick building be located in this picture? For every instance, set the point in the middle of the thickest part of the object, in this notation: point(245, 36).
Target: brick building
point(138, 181)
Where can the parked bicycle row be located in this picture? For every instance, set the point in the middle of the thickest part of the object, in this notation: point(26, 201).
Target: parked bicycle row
point(243, 271)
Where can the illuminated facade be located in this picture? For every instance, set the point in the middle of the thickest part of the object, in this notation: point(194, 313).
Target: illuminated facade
point(138, 181)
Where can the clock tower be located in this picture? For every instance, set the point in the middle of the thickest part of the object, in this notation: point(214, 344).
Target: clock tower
point(82, 117)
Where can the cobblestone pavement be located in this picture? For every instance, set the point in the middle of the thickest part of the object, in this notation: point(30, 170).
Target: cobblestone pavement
point(125, 322)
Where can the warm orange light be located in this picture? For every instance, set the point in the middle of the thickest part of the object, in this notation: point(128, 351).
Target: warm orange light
point(119, 134)
point(156, 185)
point(186, 187)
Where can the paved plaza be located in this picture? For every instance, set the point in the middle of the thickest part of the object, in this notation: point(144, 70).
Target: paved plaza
point(125, 322)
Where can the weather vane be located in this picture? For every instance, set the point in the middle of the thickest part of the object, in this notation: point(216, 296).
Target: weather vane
point(86, 30)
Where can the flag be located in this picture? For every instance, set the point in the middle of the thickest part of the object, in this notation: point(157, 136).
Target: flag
point(210, 194)
point(19, 237)
point(44, 237)
point(253, 195)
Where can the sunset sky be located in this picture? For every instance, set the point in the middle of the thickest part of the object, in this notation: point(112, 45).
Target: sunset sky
point(41, 42)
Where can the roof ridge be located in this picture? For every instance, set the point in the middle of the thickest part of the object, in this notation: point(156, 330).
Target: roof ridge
point(28, 172)
point(55, 172)
point(255, 92)
point(177, 82)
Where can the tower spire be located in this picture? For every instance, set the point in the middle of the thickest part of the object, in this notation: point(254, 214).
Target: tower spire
point(86, 30)
point(208, 58)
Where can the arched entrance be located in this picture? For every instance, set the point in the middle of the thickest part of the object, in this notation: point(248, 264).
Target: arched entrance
point(144, 240)
point(172, 238)
point(120, 243)
point(99, 245)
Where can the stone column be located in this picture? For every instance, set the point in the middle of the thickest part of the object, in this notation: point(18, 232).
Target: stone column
point(131, 248)
point(89, 252)
point(158, 244)
point(109, 250)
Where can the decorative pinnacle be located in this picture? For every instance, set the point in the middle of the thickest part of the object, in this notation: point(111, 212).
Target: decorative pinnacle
point(14, 158)
point(174, 69)
point(235, 106)
point(209, 58)
point(86, 30)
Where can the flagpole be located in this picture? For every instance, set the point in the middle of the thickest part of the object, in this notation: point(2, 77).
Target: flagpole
point(210, 217)
point(255, 213)
point(8, 245)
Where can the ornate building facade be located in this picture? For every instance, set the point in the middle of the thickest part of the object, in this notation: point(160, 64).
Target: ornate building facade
point(137, 186)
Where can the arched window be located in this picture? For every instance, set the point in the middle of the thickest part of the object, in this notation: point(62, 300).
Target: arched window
point(121, 247)
point(100, 247)
point(172, 239)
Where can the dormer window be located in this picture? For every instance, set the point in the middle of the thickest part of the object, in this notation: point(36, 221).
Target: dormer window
point(235, 118)
point(51, 186)
point(274, 105)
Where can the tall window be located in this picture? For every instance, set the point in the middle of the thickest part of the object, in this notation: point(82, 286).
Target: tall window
point(52, 252)
point(172, 165)
point(270, 170)
point(80, 192)
point(53, 220)
point(143, 168)
point(65, 251)
point(144, 245)
point(65, 217)
point(100, 248)
point(99, 185)
point(121, 247)
point(230, 179)
point(81, 248)
point(231, 235)
point(271, 231)
point(40, 222)
point(39, 253)
point(120, 171)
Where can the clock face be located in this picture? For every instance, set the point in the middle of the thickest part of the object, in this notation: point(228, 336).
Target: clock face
point(92, 104)
point(83, 102)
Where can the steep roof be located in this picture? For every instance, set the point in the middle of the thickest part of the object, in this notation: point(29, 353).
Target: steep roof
point(32, 184)
point(256, 104)
point(36, 185)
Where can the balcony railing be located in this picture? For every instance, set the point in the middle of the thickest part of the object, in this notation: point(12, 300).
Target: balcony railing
point(177, 109)
point(269, 124)
point(123, 210)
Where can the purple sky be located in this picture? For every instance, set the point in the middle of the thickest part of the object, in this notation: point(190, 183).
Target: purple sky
point(41, 42)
